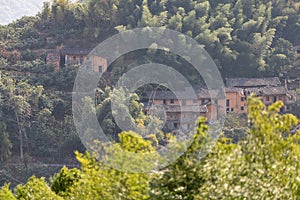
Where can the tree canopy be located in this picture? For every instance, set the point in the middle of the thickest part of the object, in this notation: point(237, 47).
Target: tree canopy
point(263, 165)
point(245, 38)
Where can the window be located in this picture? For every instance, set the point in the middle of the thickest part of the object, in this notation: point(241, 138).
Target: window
point(232, 109)
point(81, 60)
point(242, 108)
point(183, 102)
point(100, 69)
point(274, 99)
point(172, 101)
point(227, 110)
point(195, 101)
point(267, 98)
point(242, 98)
point(175, 125)
point(74, 58)
point(164, 102)
point(280, 97)
point(66, 59)
point(227, 103)
point(203, 101)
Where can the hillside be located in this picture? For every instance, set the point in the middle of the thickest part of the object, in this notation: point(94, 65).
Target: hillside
point(246, 38)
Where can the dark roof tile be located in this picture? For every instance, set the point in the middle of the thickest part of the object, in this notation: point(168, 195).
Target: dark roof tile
point(75, 51)
point(202, 93)
point(252, 82)
point(268, 90)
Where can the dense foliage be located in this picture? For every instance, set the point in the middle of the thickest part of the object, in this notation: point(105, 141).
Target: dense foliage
point(264, 165)
point(246, 38)
point(28, 121)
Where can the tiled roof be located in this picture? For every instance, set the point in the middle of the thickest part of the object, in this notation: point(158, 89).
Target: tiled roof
point(160, 95)
point(75, 51)
point(252, 82)
point(274, 90)
point(233, 89)
point(267, 90)
point(202, 93)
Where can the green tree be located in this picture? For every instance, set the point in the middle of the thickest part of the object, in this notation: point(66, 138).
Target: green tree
point(5, 144)
point(6, 194)
point(36, 189)
point(100, 17)
point(264, 166)
point(105, 114)
point(63, 182)
point(182, 179)
point(115, 184)
point(19, 103)
point(235, 127)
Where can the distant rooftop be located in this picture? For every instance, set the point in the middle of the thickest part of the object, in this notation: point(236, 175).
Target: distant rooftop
point(202, 93)
point(252, 82)
point(270, 90)
point(75, 51)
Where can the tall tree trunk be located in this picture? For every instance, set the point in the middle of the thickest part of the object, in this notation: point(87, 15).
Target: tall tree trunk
point(21, 145)
point(20, 138)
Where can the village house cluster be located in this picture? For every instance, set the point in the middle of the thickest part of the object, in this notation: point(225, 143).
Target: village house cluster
point(211, 104)
point(71, 56)
point(182, 113)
